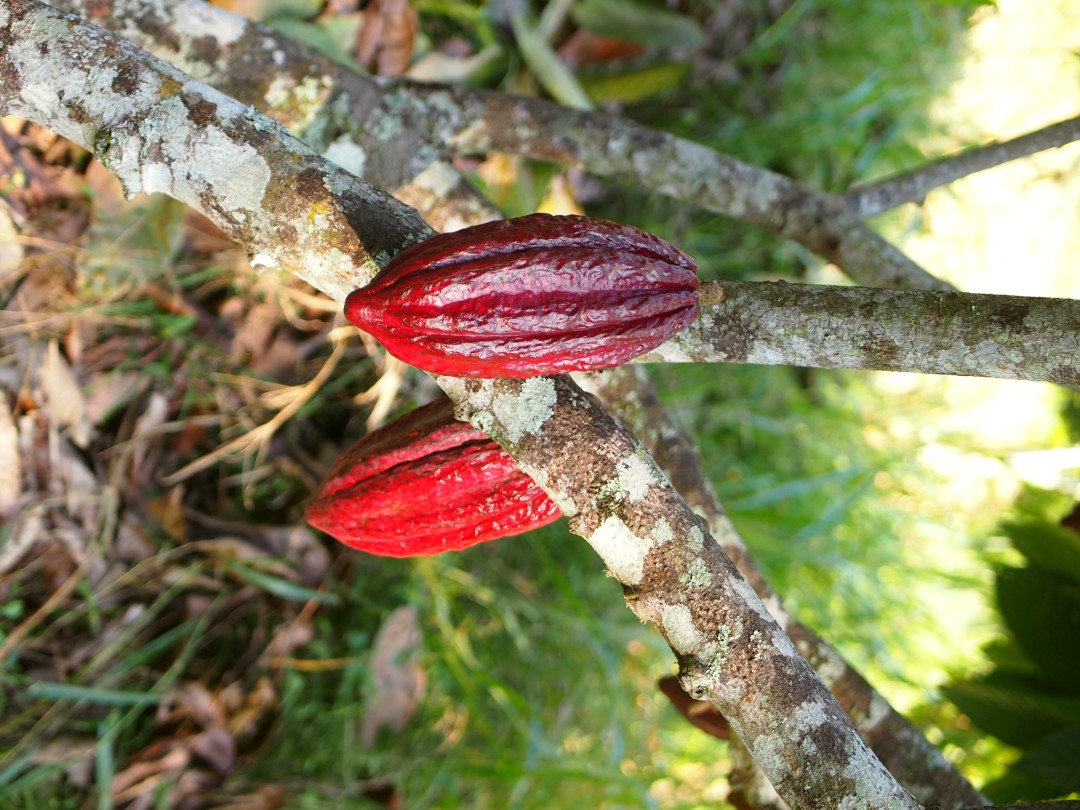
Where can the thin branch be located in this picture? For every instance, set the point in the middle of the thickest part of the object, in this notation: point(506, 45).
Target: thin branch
point(630, 395)
point(630, 152)
point(869, 199)
point(402, 127)
point(160, 130)
point(313, 97)
point(925, 331)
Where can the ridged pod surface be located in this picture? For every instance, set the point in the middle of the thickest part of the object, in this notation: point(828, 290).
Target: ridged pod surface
point(424, 484)
point(535, 295)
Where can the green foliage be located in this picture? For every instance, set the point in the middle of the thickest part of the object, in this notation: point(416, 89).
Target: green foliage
point(1031, 699)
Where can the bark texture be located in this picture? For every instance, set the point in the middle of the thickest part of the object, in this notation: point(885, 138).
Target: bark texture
point(631, 397)
point(928, 331)
point(870, 199)
point(396, 133)
point(731, 651)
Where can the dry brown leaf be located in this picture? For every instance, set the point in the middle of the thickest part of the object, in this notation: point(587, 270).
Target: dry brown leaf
point(142, 778)
point(262, 344)
point(24, 531)
point(69, 751)
point(397, 680)
point(76, 483)
point(216, 747)
point(10, 461)
point(33, 450)
point(103, 394)
point(143, 448)
point(169, 512)
point(289, 637)
point(257, 709)
point(385, 42)
point(11, 249)
point(64, 396)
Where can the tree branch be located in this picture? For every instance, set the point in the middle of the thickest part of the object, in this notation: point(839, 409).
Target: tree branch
point(402, 127)
point(927, 331)
point(633, 153)
point(870, 199)
point(631, 397)
point(313, 97)
point(161, 131)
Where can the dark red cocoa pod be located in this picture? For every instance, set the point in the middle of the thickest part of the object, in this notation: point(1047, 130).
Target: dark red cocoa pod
point(534, 295)
point(424, 484)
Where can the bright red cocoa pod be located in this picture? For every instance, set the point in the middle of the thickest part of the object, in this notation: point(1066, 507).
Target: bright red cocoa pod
point(424, 484)
point(534, 295)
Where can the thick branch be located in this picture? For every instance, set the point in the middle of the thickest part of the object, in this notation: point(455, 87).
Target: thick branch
point(730, 649)
point(913, 186)
point(631, 397)
point(926, 331)
point(402, 127)
point(316, 99)
point(161, 131)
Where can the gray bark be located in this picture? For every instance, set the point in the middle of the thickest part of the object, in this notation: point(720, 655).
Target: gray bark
point(402, 128)
point(927, 331)
point(870, 199)
point(920, 767)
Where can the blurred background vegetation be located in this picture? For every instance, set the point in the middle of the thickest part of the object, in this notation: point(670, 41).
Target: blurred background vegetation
point(174, 635)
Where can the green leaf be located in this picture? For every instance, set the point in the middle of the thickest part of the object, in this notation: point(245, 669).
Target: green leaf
point(1049, 770)
point(637, 22)
point(634, 85)
point(1015, 710)
point(1008, 658)
point(1055, 761)
point(1042, 610)
point(105, 697)
point(1016, 786)
point(278, 586)
point(546, 65)
point(1054, 548)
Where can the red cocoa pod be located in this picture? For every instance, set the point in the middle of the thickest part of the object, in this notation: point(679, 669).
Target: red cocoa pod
point(424, 484)
point(534, 295)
